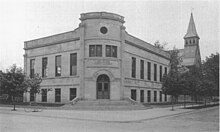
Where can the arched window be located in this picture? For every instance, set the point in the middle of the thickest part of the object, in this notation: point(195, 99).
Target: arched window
point(186, 42)
point(190, 41)
point(194, 41)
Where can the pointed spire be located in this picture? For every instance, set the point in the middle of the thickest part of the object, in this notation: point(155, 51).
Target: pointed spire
point(191, 32)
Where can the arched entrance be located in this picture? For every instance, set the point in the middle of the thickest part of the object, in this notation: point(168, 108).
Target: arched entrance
point(103, 87)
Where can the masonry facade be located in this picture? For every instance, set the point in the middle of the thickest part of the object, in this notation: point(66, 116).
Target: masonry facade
point(97, 60)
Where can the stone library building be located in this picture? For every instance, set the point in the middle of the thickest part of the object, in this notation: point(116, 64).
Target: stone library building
point(98, 60)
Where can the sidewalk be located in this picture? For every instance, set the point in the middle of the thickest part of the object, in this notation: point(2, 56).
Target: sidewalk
point(103, 116)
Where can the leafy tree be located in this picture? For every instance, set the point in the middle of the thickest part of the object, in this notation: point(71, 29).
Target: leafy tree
point(12, 83)
point(160, 46)
point(33, 85)
point(171, 83)
point(211, 74)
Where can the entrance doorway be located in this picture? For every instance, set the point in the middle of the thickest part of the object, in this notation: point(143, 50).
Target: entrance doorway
point(103, 87)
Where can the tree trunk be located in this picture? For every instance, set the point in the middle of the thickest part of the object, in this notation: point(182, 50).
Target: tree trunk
point(13, 100)
point(172, 103)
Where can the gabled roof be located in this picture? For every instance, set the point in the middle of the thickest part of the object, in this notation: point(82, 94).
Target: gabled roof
point(191, 31)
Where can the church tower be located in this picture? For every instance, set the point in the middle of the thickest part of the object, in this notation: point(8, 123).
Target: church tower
point(191, 38)
point(191, 51)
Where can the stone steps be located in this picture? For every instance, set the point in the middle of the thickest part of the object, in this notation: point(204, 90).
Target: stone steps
point(105, 105)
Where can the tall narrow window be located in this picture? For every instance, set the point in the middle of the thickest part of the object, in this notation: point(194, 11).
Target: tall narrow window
point(133, 72)
point(161, 75)
point(133, 94)
point(57, 95)
point(95, 50)
point(148, 70)
point(44, 95)
point(165, 72)
point(160, 96)
point(92, 50)
point(73, 64)
point(58, 65)
point(99, 50)
point(148, 96)
point(32, 68)
point(155, 96)
point(72, 93)
point(142, 69)
point(108, 51)
point(155, 72)
point(114, 51)
point(111, 51)
point(44, 67)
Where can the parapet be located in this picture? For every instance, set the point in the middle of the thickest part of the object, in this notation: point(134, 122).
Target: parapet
point(101, 15)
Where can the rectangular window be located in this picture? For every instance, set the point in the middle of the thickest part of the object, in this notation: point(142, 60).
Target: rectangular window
point(155, 72)
point(114, 51)
point(133, 94)
point(32, 68)
point(142, 69)
point(72, 93)
point(111, 51)
point(58, 65)
point(99, 50)
point(160, 96)
point(165, 71)
point(108, 51)
point(73, 64)
point(148, 96)
point(133, 72)
point(155, 96)
point(44, 67)
point(141, 96)
point(161, 75)
point(148, 70)
point(95, 50)
point(57, 95)
point(91, 50)
point(31, 96)
point(44, 95)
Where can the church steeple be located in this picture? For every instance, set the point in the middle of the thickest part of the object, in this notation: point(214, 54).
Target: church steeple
point(191, 37)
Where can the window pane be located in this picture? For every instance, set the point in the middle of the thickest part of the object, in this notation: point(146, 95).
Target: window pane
point(148, 70)
point(32, 68)
point(108, 51)
point(57, 95)
point(155, 96)
point(73, 64)
point(92, 50)
point(44, 95)
point(155, 72)
point(142, 69)
point(72, 93)
point(114, 51)
point(133, 74)
point(58, 60)
point(58, 65)
point(148, 96)
point(44, 67)
point(73, 70)
point(161, 74)
point(98, 50)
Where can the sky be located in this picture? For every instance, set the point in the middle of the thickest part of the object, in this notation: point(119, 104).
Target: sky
point(164, 20)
